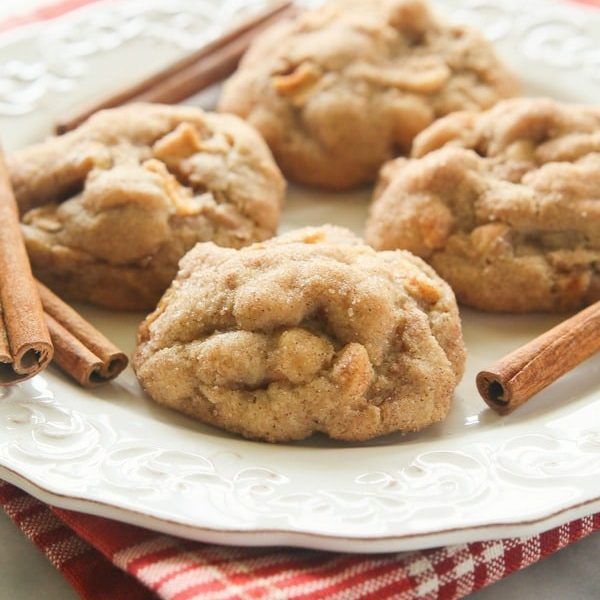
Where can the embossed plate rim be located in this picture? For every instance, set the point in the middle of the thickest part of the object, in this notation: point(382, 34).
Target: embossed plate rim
point(277, 537)
point(77, 455)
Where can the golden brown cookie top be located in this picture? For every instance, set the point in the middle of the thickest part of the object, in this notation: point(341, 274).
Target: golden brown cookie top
point(313, 309)
point(525, 132)
point(512, 193)
point(351, 83)
point(114, 187)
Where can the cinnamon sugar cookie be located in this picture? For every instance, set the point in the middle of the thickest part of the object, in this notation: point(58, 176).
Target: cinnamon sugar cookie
point(110, 208)
point(347, 86)
point(504, 204)
point(312, 331)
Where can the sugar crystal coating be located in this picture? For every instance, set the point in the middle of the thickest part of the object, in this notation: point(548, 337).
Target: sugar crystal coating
point(310, 331)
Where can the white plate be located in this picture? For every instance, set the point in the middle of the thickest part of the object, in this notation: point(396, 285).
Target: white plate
point(112, 452)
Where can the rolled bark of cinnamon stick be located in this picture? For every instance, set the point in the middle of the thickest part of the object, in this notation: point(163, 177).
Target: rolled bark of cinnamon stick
point(214, 67)
point(521, 374)
point(191, 74)
point(25, 346)
point(80, 350)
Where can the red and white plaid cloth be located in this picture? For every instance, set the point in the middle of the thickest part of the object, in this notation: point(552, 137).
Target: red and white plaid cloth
point(107, 560)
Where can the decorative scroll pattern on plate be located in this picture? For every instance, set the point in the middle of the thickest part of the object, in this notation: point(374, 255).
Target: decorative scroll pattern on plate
point(48, 437)
point(64, 49)
point(85, 455)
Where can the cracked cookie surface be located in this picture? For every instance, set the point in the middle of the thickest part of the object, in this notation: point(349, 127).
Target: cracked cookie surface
point(344, 88)
point(504, 204)
point(109, 209)
point(311, 331)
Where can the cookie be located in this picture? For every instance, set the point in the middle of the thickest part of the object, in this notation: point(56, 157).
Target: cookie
point(312, 331)
point(110, 208)
point(347, 86)
point(504, 204)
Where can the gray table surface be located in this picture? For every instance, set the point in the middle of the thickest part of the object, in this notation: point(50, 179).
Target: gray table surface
point(572, 574)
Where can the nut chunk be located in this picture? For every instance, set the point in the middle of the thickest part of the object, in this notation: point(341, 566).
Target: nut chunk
point(110, 208)
point(310, 331)
point(347, 86)
point(504, 204)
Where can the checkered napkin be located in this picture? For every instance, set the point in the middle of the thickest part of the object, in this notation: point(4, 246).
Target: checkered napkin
point(107, 560)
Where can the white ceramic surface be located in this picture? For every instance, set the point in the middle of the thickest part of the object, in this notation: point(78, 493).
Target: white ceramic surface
point(112, 452)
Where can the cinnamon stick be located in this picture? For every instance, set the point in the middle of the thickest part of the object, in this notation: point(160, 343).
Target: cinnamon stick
point(80, 350)
point(25, 346)
point(523, 373)
point(191, 74)
point(214, 67)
